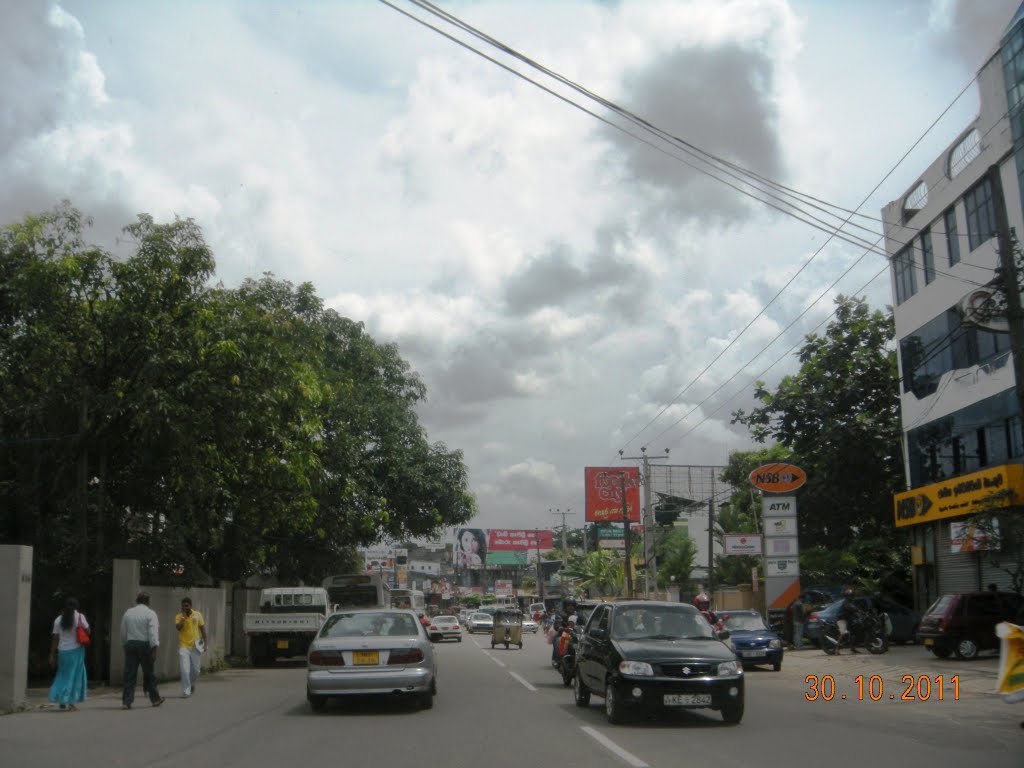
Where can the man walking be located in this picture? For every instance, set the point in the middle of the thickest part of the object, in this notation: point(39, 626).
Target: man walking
point(191, 645)
point(140, 636)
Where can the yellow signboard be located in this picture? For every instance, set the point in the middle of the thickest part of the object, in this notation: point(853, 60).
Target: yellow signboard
point(960, 496)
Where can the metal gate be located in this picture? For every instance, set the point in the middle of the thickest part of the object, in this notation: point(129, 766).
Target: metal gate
point(956, 571)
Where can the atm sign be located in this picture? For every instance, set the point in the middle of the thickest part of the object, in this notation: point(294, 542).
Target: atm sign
point(778, 478)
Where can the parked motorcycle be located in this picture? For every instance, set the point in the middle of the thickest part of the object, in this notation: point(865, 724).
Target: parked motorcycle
point(866, 630)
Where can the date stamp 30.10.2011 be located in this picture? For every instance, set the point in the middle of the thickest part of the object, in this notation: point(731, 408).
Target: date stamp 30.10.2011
point(874, 688)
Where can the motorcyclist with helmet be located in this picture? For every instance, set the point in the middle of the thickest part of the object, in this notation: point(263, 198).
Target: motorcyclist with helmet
point(703, 604)
point(849, 616)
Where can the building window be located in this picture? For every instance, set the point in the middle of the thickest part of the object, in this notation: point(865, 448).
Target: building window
point(916, 199)
point(963, 153)
point(952, 236)
point(927, 257)
point(903, 269)
point(981, 213)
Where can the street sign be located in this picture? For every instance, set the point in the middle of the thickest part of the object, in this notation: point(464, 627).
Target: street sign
point(612, 544)
point(611, 531)
point(778, 506)
point(778, 478)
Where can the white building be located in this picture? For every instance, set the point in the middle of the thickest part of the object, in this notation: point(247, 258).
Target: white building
point(960, 414)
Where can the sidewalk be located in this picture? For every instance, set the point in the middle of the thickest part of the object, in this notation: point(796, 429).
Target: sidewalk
point(977, 677)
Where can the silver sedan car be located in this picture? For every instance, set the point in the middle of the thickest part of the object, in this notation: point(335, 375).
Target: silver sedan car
point(480, 622)
point(371, 652)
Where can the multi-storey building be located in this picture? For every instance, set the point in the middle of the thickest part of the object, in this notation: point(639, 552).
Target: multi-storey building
point(962, 436)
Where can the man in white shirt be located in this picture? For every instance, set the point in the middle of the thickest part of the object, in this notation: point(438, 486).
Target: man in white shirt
point(140, 636)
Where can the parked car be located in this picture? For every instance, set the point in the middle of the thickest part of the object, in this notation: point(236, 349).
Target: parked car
point(445, 628)
point(904, 620)
point(371, 652)
point(480, 622)
point(529, 625)
point(653, 655)
point(964, 623)
point(751, 638)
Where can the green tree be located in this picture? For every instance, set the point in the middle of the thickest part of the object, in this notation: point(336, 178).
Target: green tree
point(676, 554)
point(599, 572)
point(839, 418)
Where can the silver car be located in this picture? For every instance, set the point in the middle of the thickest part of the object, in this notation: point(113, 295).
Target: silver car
point(480, 622)
point(371, 652)
point(529, 625)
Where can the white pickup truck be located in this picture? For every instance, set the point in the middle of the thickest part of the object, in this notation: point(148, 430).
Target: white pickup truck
point(286, 624)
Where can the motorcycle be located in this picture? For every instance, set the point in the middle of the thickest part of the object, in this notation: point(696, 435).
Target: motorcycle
point(567, 660)
point(865, 630)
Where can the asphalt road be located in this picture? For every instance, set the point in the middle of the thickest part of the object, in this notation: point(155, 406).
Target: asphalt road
point(498, 708)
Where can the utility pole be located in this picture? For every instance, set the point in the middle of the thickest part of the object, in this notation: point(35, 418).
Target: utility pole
point(650, 556)
point(711, 543)
point(540, 572)
point(1011, 284)
point(565, 546)
point(626, 539)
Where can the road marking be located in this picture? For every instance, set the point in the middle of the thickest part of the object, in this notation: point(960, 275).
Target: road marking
point(524, 681)
point(611, 746)
point(496, 661)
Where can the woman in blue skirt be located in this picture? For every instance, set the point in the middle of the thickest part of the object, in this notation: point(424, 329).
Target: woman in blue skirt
point(68, 656)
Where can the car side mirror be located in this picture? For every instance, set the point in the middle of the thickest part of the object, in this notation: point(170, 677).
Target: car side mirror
point(723, 634)
point(597, 633)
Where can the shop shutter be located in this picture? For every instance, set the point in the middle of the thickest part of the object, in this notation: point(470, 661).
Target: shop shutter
point(955, 571)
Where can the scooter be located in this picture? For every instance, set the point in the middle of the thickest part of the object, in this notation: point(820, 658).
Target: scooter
point(867, 631)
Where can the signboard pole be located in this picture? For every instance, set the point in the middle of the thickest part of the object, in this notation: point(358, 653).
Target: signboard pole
point(625, 530)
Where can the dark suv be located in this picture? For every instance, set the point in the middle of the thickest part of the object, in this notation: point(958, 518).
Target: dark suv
point(651, 655)
point(964, 623)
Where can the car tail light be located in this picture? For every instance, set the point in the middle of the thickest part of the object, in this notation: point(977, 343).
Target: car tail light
point(327, 659)
point(814, 616)
point(433, 627)
point(409, 656)
point(455, 627)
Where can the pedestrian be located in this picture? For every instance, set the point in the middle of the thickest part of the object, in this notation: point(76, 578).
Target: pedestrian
point(192, 643)
point(798, 624)
point(67, 656)
point(140, 637)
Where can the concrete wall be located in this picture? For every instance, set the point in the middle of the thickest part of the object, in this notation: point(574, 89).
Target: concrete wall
point(212, 603)
point(15, 607)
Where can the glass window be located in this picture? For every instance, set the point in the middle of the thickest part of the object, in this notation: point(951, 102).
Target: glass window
point(981, 213)
point(916, 199)
point(952, 236)
point(963, 153)
point(903, 269)
point(927, 353)
point(927, 257)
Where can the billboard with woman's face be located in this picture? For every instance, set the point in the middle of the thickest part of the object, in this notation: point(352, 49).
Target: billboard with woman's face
point(470, 548)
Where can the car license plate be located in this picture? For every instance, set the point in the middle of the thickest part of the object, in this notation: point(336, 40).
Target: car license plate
point(687, 699)
point(929, 641)
point(282, 644)
point(751, 654)
point(363, 658)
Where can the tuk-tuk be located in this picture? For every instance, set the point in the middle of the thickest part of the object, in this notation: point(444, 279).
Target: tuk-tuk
point(508, 627)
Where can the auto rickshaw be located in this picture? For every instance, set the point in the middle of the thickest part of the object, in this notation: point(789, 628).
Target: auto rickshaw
point(508, 628)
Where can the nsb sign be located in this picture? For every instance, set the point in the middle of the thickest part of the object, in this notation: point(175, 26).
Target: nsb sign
point(778, 478)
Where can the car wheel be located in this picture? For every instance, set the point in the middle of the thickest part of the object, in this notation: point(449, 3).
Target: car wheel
point(426, 701)
point(458, 639)
point(580, 692)
point(316, 703)
point(966, 649)
point(777, 666)
point(732, 712)
point(942, 653)
point(612, 707)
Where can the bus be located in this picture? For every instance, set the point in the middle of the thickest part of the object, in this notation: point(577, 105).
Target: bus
point(357, 590)
point(413, 599)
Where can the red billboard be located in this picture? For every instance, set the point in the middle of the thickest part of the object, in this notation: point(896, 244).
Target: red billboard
point(604, 493)
point(499, 540)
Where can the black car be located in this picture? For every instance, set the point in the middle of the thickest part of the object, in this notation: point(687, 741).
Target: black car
point(647, 655)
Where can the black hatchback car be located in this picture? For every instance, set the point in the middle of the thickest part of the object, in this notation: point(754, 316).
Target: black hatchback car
point(646, 655)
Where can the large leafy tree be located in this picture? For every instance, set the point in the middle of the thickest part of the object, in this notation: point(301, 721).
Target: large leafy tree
point(839, 418)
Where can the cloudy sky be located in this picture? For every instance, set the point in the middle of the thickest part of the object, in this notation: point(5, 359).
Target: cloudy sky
point(558, 284)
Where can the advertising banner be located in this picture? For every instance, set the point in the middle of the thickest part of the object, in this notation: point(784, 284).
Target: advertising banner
point(778, 478)
point(786, 566)
point(604, 493)
point(470, 548)
point(965, 536)
point(780, 526)
point(960, 496)
point(612, 544)
point(611, 531)
point(778, 506)
point(501, 540)
point(741, 544)
point(502, 587)
point(782, 546)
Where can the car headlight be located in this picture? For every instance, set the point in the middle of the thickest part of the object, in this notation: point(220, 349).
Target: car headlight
point(728, 668)
point(636, 668)
point(775, 644)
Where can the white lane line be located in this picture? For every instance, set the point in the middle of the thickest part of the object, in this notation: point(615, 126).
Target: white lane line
point(611, 746)
point(496, 661)
point(526, 683)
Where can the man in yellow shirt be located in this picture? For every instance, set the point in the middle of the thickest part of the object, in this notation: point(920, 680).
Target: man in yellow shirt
point(191, 645)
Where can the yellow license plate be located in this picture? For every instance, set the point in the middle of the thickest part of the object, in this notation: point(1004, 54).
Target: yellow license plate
point(282, 644)
point(362, 658)
point(929, 641)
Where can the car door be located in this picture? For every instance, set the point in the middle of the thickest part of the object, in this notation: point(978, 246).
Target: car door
point(589, 651)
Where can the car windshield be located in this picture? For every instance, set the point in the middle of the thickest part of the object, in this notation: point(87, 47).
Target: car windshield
point(445, 620)
point(940, 605)
point(659, 623)
point(744, 622)
point(375, 624)
point(481, 617)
